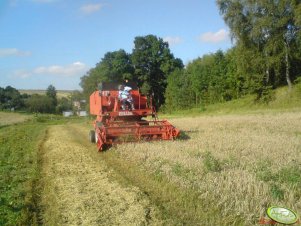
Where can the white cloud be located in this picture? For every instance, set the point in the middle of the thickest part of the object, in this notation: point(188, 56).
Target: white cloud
point(68, 70)
point(215, 37)
point(72, 70)
point(91, 8)
point(13, 52)
point(172, 40)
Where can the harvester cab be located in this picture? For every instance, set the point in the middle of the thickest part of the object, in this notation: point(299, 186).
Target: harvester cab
point(117, 121)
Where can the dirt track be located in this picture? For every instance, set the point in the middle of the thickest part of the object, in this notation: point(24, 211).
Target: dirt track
point(78, 189)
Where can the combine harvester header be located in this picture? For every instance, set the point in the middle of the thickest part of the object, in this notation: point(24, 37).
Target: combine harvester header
point(119, 120)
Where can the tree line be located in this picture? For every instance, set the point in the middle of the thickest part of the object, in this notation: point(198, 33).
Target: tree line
point(11, 99)
point(266, 55)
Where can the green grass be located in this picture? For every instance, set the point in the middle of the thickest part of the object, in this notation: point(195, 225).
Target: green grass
point(19, 172)
point(211, 164)
point(289, 175)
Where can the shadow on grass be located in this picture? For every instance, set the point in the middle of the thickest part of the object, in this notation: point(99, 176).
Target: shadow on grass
point(3, 126)
point(184, 134)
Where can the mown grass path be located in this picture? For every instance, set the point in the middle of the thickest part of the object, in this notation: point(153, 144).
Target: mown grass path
point(78, 189)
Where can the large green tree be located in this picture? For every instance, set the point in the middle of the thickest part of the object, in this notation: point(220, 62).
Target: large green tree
point(149, 65)
point(266, 33)
point(206, 80)
point(51, 93)
point(179, 94)
point(209, 79)
point(10, 98)
point(153, 62)
point(40, 103)
point(113, 67)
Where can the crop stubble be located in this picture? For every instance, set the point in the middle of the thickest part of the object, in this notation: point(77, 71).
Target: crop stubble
point(78, 190)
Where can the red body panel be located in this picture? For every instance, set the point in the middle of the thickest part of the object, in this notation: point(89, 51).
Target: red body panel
point(108, 99)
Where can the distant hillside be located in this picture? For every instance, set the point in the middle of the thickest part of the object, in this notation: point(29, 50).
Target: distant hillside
point(60, 93)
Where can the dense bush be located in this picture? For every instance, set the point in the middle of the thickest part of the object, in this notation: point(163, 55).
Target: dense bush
point(11, 99)
point(39, 103)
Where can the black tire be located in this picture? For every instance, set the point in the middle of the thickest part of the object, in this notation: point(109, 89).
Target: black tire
point(92, 136)
point(144, 123)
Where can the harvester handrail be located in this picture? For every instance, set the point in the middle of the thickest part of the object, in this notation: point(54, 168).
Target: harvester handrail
point(139, 100)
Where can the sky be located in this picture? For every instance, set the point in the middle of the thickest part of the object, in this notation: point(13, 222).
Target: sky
point(56, 42)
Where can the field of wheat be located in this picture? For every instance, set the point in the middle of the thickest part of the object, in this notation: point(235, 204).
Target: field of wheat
point(8, 118)
point(238, 164)
point(223, 170)
point(60, 93)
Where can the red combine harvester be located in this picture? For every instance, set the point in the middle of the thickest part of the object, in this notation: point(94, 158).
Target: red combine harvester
point(115, 125)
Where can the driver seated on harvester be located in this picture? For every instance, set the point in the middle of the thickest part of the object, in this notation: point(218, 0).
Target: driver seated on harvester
point(125, 97)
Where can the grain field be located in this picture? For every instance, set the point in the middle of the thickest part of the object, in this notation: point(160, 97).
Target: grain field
point(223, 170)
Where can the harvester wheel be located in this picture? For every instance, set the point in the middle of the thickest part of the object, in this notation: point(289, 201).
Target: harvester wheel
point(92, 136)
point(96, 138)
